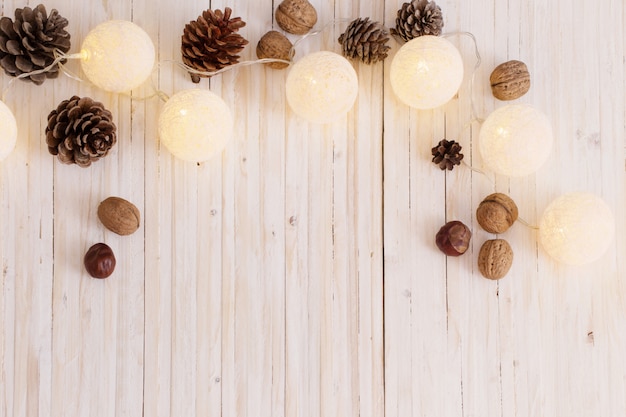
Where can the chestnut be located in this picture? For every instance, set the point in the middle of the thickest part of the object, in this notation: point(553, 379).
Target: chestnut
point(453, 238)
point(100, 261)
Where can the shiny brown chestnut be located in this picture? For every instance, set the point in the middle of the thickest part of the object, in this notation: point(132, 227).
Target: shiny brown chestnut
point(100, 261)
point(453, 238)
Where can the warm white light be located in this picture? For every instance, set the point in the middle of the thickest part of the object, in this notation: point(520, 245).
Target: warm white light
point(515, 140)
point(426, 72)
point(8, 131)
point(195, 124)
point(322, 87)
point(577, 228)
point(117, 56)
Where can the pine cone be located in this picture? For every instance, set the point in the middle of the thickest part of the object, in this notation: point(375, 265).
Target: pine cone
point(28, 43)
point(447, 154)
point(80, 131)
point(418, 18)
point(211, 42)
point(366, 40)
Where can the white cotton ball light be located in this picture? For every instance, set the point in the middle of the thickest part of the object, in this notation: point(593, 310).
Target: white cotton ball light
point(577, 228)
point(322, 87)
point(117, 56)
point(515, 140)
point(426, 72)
point(195, 124)
point(8, 129)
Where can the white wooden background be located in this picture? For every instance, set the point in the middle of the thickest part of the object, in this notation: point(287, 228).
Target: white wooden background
point(296, 275)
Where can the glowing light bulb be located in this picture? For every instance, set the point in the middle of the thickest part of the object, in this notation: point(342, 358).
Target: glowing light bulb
point(195, 124)
point(322, 87)
point(515, 140)
point(426, 72)
point(577, 228)
point(117, 56)
point(8, 129)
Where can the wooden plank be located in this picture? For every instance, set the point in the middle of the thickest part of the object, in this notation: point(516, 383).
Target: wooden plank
point(339, 349)
point(26, 221)
point(159, 221)
point(253, 323)
point(308, 207)
point(365, 199)
point(274, 223)
point(397, 250)
point(177, 197)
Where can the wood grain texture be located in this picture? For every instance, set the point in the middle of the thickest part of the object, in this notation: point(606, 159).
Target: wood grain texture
point(296, 273)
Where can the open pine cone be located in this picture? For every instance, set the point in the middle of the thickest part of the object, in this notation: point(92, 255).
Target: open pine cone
point(366, 40)
point(447, 154)
point(418, 18)
point(212, 42)
point(28, 43)
point(80, 131)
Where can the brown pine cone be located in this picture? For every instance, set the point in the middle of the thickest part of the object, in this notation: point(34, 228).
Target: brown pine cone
point(28, 43)
point(418, 18)
point(80, 131)
point(447, 154)
point(211, 42)
point(366, 40)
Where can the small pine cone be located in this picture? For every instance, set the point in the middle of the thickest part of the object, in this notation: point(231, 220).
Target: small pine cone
point(80, 131)
point(418, 18)
point(211, 42)
point(28, 44)
point(366, 40)
point(447, 154)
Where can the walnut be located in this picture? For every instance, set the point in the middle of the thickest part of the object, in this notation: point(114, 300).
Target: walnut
point(296, 16)
point(510, 80)
point(496, 213)
point(274, 45)
point(495, 258)
point(119, 216)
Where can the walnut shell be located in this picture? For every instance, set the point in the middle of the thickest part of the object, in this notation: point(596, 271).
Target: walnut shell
point(495, 258)
point(296, 16)
point(510, 80)
point(119, 216)
point(496, 213)
point(274, 45)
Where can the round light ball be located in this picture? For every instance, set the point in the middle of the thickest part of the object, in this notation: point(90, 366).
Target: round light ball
point(322, 87)
point(195, 124)
point(577, 228)
point(117, 56)
point(426, 72)
point(8, 127)
point(515, 140)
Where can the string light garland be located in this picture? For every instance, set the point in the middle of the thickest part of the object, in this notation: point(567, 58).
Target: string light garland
point(515, 140)
point(321, 87)
point(577, 228)
point(426, 72)
point(195, 124)
point(117, 56)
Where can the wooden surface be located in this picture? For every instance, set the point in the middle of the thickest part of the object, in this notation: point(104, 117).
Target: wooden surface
point(296, 275)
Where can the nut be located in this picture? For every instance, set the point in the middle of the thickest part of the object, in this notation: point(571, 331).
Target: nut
point(496, 213)
point(453, 238)
point(296, 16)
point(495, 258)
point(274, 45)
point(510, 80)
point(99, 261)
point(119, 216)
